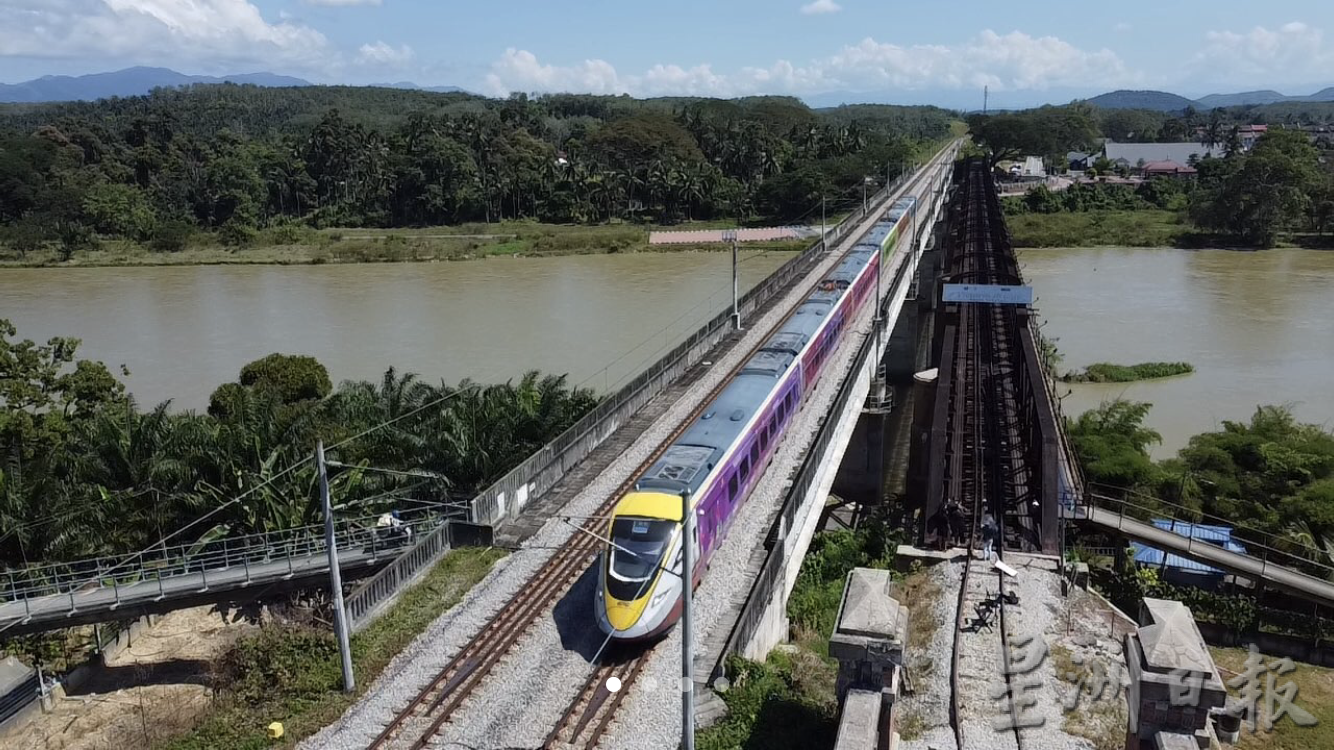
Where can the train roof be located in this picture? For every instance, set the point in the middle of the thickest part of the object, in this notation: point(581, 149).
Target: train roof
point(686, 464)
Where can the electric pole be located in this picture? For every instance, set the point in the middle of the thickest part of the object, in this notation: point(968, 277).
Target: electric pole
point(736, 288)
point(335, 576)
point(824, 240)
point(687, 650)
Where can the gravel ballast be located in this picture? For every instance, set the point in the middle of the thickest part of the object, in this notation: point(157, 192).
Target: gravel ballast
point(930, 669)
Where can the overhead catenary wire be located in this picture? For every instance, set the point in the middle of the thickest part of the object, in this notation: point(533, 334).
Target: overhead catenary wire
point(161, 543)
point(694, 309)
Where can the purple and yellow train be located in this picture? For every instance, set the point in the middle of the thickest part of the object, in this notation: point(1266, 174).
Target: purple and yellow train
point(720, 457)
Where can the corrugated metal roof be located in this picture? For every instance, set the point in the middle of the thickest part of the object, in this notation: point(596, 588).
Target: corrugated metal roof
point(1219, 535)
point(1149, 152)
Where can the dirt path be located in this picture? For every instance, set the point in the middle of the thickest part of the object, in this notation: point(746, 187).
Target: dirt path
point(153, 689)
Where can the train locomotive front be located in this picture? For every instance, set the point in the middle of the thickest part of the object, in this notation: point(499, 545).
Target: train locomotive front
point(639, 574)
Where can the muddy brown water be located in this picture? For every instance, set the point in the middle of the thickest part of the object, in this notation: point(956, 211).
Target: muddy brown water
point(1258, 327)
point(183, 331)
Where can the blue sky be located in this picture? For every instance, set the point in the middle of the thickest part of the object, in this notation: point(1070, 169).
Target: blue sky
point(1025, 50)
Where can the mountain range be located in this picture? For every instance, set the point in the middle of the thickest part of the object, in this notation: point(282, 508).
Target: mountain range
point(1165, 102)
point(139, 81)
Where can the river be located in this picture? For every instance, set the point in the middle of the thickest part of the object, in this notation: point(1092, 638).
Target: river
point(1258, 327)
point(183, 331)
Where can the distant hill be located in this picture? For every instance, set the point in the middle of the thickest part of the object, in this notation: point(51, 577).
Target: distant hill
point(128, 82)
point(410, 86)
point(1160, 101)
point(1323, 95)
point(1214, 101)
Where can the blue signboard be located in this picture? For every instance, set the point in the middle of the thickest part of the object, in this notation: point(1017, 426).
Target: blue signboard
point(991, 293)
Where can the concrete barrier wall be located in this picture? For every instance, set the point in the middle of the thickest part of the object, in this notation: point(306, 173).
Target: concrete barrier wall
point(763, 622)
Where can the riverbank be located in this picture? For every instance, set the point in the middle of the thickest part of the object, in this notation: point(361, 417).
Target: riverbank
point(1149, 228)
point(298, 245)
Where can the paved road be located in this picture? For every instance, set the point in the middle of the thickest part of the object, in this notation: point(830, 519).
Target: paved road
point(1274, 575)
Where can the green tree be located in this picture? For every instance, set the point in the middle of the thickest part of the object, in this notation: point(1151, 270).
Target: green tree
point(1258, 196)
point(1113, 444)
point(120, 210)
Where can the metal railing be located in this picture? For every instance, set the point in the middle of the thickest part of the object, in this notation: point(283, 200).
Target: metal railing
point(368, 599)
point(248, 553)
point(1267, 556)
point(797, 500)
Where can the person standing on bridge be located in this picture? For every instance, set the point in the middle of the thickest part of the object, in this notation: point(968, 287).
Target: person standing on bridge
point(988, 536)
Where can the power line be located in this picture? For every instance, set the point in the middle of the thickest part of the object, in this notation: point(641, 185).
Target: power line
point(162, 542)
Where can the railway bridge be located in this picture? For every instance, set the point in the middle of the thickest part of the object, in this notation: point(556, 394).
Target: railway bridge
point(937, 395)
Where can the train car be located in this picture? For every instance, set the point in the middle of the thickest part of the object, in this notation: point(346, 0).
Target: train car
point(721, 456)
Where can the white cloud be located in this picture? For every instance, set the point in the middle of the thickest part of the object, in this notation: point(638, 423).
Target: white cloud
point(519, 70)
point(1123, 27)
point(342, 3)
point(385, 55)
point(1294, 52)
point(214, 33)
point(1004, 62)
point(821, 6)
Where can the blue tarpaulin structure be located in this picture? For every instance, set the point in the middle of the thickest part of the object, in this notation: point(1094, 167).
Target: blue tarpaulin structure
point(1219, 535)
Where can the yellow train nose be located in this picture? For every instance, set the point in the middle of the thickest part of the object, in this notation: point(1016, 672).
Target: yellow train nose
point(623, 615)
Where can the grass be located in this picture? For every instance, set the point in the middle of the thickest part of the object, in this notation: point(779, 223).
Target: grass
point(1315, 693)
point(1149, 228)
point(292, 674)
point(1103, 372)
point(789, 700)
point(293, 245)
point(786, 702)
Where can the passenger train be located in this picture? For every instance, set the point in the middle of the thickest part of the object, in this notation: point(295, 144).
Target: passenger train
point(719, 458)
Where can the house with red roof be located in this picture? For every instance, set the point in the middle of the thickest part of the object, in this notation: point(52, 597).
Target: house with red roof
point(1168, 169)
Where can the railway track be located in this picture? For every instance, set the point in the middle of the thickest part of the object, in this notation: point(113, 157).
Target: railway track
point(988, 463)
point(590, 714)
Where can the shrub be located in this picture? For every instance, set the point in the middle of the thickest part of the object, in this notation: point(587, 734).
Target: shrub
point(171, 236)
point(236, 234)
point(293, 377)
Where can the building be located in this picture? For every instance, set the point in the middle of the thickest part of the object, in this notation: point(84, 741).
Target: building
point(1249, 134)
point(1168, 169)
point(1136, 155)
point(1080, 161)
point(1180, 571)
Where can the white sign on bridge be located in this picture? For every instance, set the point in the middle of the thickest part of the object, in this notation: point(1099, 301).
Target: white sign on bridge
point(992, 293)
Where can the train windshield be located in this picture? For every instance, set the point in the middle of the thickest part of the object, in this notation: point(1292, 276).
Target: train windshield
point(639, 545)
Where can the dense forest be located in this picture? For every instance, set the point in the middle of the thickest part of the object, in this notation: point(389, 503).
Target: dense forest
point(232, 159)
point(85, 471)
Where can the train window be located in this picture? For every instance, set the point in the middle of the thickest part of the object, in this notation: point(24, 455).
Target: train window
point(782, 412)
point(732, 488)
point(755, 454)
point(764, 438)
point(745, 469)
